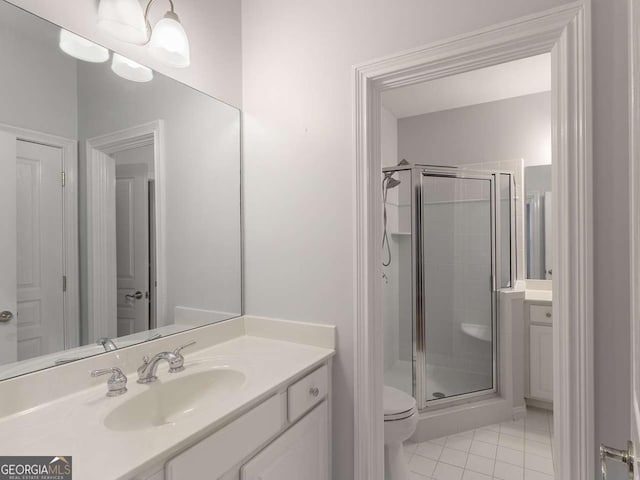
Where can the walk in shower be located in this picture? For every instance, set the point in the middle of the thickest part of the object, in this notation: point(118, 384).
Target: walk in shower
point(449, 246)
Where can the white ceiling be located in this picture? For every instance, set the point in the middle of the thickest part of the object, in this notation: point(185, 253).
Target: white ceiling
point(507, 80)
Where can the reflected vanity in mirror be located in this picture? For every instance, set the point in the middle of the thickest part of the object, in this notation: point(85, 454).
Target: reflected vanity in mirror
point(119, 200)
point(538, 221)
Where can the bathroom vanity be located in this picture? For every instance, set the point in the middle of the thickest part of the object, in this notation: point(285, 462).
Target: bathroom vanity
point(253, 402)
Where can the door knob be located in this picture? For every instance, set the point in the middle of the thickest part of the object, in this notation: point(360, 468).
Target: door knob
point(134, 296)
point(6, 316)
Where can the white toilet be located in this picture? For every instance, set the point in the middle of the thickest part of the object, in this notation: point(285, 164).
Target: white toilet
point(400, 421)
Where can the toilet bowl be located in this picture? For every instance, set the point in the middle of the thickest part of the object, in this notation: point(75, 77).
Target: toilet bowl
point(400, 421)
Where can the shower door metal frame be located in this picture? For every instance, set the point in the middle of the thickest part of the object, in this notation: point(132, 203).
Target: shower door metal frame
point(420, 320)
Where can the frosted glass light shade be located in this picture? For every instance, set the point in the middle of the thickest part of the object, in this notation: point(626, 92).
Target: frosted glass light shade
point(169, 42)
point(123, 19)
point(81, 48)
point(130, 70)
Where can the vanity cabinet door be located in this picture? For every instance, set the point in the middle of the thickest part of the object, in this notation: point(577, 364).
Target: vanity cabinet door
point(214, 456)
point(302, 452)
point(541, 362)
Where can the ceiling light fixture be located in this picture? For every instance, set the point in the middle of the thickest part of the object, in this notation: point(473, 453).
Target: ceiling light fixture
point(130, 70)
point(81, 48)
point(167, 41)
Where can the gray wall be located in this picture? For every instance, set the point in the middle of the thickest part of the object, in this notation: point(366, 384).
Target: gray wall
point(508, 129)
point(298, 101)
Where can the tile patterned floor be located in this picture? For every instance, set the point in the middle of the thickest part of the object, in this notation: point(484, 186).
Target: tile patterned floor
point(516, 450)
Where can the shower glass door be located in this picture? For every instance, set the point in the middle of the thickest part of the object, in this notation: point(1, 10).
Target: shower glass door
point(455, 279)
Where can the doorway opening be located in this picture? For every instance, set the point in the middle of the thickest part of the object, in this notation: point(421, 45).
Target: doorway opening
point(564, 33)
point(125, 198)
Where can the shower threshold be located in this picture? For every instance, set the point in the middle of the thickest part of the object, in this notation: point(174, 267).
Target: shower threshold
point(442, 384)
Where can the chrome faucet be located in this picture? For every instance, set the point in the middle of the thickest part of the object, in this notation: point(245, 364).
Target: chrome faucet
point(147, 371)
point(107, 344)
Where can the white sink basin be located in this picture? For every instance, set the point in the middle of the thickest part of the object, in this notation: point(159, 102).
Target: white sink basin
point(168, 400)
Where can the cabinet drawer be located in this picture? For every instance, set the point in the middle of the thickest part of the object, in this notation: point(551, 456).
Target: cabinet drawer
point(540, 314)
point(307, 392)
point(217, 454)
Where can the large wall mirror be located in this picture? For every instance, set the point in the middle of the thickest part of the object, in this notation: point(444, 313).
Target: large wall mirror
point(119, 200)
point(538, 221)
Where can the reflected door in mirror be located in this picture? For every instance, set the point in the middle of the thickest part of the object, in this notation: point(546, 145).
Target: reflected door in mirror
point(32, 259)
point(132, 245)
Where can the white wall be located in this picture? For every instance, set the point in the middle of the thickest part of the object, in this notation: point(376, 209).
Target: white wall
point(135, 156)
point(297, 97)
point(213, 27)
point(518, 127)
point(38, 79)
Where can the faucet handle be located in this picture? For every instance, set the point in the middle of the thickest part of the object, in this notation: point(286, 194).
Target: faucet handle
point(145, 363)
point(117, 383)
point(177, 364)
point(178, 351)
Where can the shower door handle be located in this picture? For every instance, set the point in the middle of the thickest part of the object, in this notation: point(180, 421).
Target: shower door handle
point(624, 456)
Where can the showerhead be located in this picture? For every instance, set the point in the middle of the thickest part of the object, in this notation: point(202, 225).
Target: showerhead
point(392, 183)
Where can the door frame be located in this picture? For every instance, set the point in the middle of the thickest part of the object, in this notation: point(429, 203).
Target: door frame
point(564, 31)
point(101, 287)
point(71, 297)
point(634, 201)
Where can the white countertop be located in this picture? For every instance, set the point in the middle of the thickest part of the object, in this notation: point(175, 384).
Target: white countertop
point(538, 296)
point(73, 425)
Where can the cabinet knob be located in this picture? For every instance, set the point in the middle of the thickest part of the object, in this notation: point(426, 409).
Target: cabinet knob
point(548, 314)
point(314, 391)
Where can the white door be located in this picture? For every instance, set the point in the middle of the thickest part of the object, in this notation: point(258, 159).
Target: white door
point(40, 263)
point(132, 247)
point(8, 318)
point(299, 453)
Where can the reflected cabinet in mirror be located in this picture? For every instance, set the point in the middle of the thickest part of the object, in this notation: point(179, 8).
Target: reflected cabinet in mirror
point(119, 200)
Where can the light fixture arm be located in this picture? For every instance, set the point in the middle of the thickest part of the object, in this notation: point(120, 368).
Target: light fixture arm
point(171, 13)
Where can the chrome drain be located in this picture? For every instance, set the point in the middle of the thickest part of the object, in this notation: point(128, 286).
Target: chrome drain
point(438, 395)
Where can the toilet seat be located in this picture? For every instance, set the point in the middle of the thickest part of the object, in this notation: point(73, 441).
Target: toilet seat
point(397, 404)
